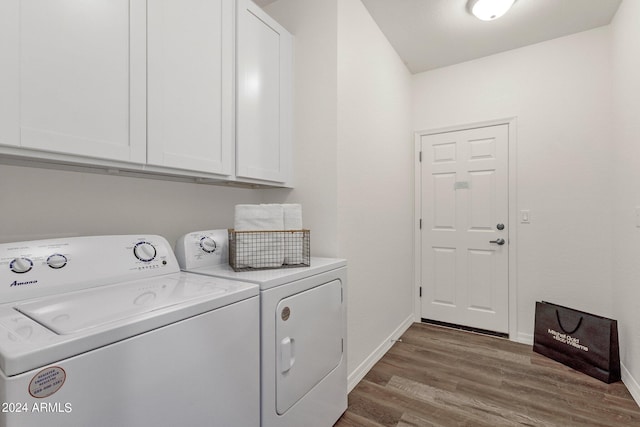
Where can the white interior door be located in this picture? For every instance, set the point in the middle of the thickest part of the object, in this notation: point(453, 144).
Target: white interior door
point(465, 229)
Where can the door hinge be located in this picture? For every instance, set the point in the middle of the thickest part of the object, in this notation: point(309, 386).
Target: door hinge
point(420, 292)
point(420, 156)
point(420, 225)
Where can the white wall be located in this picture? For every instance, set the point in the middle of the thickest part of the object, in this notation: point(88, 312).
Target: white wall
point(353, 157)
point(314, 26)
point(43, 203)
point(375, 184)
point(626, 188)
point(560, 93)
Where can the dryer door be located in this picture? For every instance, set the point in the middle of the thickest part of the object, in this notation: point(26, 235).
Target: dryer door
point(309, 333)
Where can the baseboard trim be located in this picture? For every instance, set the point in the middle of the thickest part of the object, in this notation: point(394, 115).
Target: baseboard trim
point(631, 383)
point(523, 338)
point(358, 374)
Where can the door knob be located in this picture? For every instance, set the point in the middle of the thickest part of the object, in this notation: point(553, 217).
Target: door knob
point(500, 241)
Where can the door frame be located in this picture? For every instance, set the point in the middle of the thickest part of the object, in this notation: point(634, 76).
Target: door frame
point(511, 122)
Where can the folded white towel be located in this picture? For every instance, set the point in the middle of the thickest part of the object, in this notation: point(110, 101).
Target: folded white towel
point(259, 250)
point(293, 242)
point(293, 247)
point(259, 218)
point(292, 216)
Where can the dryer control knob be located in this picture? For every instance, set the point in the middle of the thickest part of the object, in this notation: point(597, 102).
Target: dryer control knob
point(57, 261)
point(208, 244)
point(21, 265)
point(144, 251)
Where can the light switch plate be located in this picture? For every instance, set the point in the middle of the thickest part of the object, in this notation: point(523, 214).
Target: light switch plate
point(525, 216)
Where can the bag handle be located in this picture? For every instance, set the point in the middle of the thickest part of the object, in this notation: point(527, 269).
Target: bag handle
point(562, 327)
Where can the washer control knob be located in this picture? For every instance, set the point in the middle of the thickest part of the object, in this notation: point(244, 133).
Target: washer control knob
point(57, 261)
point(144, 251)
point(21, 265)
point(208, 244)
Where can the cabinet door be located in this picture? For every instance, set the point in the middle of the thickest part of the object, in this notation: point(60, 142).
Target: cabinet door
point(263, 121)
point(73, 77)
point(190, 77)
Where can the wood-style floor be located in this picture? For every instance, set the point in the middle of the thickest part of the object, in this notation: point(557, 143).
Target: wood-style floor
point(444, 377)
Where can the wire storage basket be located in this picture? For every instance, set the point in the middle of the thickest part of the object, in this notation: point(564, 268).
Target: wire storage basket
point(261, 250)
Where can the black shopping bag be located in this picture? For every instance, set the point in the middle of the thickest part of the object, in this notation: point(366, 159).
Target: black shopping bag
point(583, 341)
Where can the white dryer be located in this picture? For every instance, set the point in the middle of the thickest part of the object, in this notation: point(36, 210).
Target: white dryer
point(303, 331)
point(106, 331)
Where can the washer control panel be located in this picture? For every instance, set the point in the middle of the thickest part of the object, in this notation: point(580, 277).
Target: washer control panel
point(56, 261)
point(45, 267)
point(21, 265)
point(208, 244)
point(145, 251)
point(203, 249)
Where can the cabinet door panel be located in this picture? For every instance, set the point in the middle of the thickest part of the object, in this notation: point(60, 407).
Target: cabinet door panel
point(190, 84)
point(264, 81)
point(10, 73)
point(79, 70)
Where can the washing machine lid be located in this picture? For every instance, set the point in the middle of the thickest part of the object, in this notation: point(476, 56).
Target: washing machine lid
point(41, 331)
point(82, 311)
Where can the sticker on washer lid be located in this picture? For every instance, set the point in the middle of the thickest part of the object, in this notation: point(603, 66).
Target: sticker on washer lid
point(47, 381)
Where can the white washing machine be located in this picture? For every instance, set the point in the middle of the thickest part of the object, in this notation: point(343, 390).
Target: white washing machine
point(303, 331)
point(106, 331)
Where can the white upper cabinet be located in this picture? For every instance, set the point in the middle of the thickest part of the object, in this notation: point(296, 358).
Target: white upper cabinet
point(73, 77)
point(264, 81)
point(190, 88)
point(190, 85)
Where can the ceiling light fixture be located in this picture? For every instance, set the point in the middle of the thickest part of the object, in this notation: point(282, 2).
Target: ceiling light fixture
point(488, 10)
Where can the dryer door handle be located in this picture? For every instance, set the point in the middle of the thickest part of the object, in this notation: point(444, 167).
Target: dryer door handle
point(287, 354)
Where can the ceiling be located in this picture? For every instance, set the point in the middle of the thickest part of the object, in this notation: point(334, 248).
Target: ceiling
point(430, 34)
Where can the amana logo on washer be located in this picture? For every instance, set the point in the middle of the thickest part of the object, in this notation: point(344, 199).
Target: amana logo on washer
point(16, 283)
